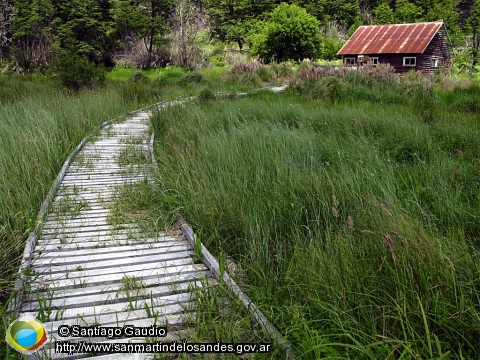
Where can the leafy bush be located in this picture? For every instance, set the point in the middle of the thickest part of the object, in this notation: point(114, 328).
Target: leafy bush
point(206, 95)
point(329, 48)
point(217, 60)
point(76, 72)
point(281, 70)
point(193, 78)
point(264, 73)
point(138, 77)
point(290, 34)
point(249, 79)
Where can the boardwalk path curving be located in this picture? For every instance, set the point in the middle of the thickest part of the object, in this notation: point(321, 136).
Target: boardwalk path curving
point(85, 271)
point(82, 270)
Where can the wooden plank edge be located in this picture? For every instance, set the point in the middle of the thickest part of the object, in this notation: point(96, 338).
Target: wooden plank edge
point(15, 300)
point(212, 265)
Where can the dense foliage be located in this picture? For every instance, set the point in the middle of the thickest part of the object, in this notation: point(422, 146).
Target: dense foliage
point(289, 34)
point(33, 33)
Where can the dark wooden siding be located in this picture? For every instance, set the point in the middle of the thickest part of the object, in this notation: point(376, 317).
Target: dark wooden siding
point(437, 49)
point(396, 60)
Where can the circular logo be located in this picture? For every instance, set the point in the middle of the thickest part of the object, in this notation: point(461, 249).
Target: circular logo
point(26, 334)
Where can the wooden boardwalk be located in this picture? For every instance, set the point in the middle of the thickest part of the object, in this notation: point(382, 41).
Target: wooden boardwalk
point(79, 269)
point(85, 271)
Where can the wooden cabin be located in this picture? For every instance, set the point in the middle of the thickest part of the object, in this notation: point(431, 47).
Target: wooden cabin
point(419, 46)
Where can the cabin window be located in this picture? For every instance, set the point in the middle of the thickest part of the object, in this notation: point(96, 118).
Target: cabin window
point(409, 61)
point(434, 62)
point(349, 61)
point(374, 61)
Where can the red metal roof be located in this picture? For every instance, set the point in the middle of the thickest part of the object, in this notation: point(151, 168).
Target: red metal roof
point(391, 39)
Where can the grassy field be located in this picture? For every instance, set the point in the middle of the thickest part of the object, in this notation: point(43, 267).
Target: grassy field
point(352, 208)
point(349, 203)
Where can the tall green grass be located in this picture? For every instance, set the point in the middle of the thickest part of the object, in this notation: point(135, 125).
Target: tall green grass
point(357, 220)
point(40, 124)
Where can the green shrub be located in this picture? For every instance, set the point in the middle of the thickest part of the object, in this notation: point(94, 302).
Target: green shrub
point(193, 77)
point(329, 48)
point(290, 34)
point(160, 82)
point(281, 70)
point(76, 72)
point(249, 79)
point(138, 77)
point(206, 95)
point(264, 73)
point(217, 60)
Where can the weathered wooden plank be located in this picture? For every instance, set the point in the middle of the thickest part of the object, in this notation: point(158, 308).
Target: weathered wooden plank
point(97, 235)
point(91, 221)
point(120, 297)
point(91, 205)
point(70, 180)
point(94, 244)
point(73, 257)
point(109, 319)
point(170, 246)
point(49, 275)
point(116, 307)
point(112, 243)
point(104, 235)
point(82, 214)
point(104, 191)
point(104, 176)
point(89, 279)
point(114, 287)
point(63, 265)
point(83, 229)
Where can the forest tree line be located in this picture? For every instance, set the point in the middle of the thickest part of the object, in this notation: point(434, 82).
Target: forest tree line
point(37, 33)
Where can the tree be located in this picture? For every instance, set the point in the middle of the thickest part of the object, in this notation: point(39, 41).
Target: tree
point(473, 25)
point(289, 34)
point(345, 12)
point(445, 10)
point(83, 44)
point(383, 14)
point(32, 33)
point(6, 18)
point(147, 19)
point(407, 12)
point(232, 20)
point(187, 20)
point(84, 28)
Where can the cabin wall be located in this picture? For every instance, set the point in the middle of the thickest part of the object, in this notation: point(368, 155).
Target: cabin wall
point(436, 49)
point(396, 60)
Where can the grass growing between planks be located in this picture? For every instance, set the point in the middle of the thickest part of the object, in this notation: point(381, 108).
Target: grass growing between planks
point(357, 221)
point(40, 124)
